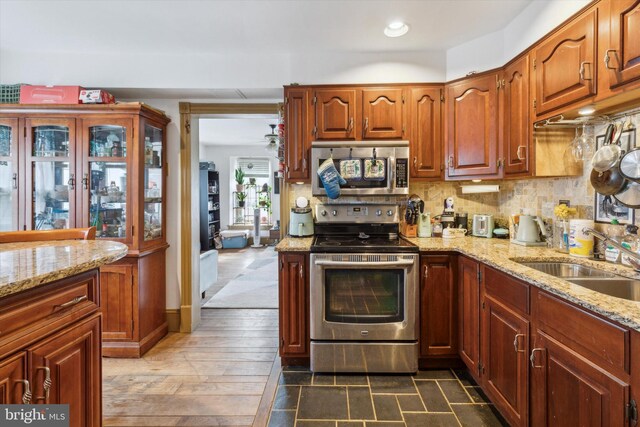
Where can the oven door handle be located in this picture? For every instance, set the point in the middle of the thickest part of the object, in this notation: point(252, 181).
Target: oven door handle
point(363, 264)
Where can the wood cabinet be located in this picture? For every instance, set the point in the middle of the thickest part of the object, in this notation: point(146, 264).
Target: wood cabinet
point(469, 314)
point(297, 134)
point(505, 345)
point(565, 64)
point(335, 113)
point(102, 166)
point(425, 130)
point(9, 175)
point(438, 306)
point(50, 347)
point(383, 113)
point(621, 47)
point(209, 206)
point(293, 301)
point(516, 125)
point(472, 134)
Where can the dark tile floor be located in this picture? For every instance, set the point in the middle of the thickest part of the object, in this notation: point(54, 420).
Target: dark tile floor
point(429, 398)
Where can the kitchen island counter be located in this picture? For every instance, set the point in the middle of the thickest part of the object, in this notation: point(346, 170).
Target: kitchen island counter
point(505, 256)
point(27, 265)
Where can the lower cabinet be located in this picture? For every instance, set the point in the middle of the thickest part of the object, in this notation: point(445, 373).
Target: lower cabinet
point(54, 357)
point(469, 314)
point(293, 300)
point(438, 307)
point(133, 303)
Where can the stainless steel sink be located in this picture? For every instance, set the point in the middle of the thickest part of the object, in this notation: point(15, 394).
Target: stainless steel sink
point(619, 287)
point(567, 269)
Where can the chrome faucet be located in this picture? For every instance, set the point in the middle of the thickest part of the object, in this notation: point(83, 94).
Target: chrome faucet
point(634, 258)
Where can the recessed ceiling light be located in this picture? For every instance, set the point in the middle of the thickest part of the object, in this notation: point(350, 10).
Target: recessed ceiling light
point(396, 29)
point(587, 111)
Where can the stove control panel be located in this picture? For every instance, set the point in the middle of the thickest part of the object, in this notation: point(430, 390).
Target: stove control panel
point(353, 213)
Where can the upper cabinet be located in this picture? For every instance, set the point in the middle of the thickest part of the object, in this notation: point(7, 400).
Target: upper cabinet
point(425, 132)
point(335, 113)
point(622, 49)
point(565, 64)
point(297, 134)
point(516, 127)
point(471, 141)
point(383, 113)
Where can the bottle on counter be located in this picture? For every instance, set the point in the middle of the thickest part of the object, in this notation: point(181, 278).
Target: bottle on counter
point(611, 253)
point(436, 230)
point(631, 241)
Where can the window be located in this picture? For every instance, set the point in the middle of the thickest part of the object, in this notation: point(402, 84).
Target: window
point(256, 191)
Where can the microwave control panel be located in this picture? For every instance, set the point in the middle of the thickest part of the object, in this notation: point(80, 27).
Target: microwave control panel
point(402, 173)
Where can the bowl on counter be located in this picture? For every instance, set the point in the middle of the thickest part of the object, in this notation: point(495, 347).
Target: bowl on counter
point(501, 233)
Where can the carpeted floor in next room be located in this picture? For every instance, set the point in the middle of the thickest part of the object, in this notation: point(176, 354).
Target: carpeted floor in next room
point(247, 278)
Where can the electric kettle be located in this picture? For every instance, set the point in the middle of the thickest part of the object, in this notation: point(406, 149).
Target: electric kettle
point(529, 229)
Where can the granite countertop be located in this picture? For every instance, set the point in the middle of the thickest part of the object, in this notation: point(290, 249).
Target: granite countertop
point(504, 256)
point(27, 265)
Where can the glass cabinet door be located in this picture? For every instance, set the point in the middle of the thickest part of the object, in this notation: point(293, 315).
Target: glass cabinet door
point(51, 175)
point(153, 182)
point(107, 178)
point(8, 175)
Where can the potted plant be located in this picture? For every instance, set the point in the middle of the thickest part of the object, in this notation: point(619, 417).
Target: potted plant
point(252, 181)
point(239, 179)
point(241, 197)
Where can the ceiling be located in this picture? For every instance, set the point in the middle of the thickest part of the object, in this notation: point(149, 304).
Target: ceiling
point(215, 26)
point(248, 130)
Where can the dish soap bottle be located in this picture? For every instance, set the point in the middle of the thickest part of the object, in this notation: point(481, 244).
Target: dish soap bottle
point(631, 241)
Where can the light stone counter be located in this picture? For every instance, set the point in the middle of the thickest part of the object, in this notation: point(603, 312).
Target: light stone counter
point(504, 256)
point(27, 265)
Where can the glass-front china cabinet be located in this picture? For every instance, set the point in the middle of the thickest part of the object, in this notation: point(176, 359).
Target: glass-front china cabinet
point(64, 166)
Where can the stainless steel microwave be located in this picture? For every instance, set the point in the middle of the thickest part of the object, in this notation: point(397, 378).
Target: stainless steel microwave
point(371, 168)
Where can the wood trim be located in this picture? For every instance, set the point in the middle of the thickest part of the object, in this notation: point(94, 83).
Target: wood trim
point(187, 111)
point(262, 416)
point(173, 319)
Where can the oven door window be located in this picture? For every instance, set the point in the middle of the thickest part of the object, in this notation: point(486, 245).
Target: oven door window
point(364, 295)
point(371, 174)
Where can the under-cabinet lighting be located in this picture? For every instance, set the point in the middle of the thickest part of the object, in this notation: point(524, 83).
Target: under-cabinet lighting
point(396, 29)
point(476, 180)
point(587, 111)
point(473, 189)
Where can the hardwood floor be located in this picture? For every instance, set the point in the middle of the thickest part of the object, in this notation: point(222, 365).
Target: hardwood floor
point(212, 377)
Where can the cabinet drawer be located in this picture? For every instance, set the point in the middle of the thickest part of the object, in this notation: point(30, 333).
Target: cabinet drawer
point(48, 309)
point(602, 342)
point(506, 289)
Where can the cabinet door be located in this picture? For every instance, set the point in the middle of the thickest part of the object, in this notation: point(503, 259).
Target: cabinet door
point(516, 131)
point(564, 64)
point(9, 177)
point(438, 306)
point(622, 59)
point(335, 113)
point(469, 314)
point(116, 301)
point(383, 113)
point(293, 303)
point(505, 351)
point(569, 390)
point(13, 377)
point(472, 128)
point(51, 180)
point(425, 108)
point(71, 359)
point(297, 135)
point(151, 188)
point(106, 179)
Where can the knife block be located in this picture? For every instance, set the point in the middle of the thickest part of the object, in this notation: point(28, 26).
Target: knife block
point(408, 230)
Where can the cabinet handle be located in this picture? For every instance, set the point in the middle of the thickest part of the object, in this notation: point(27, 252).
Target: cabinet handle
point(76, 300)
point(450, 162)
point(582, 64)
point(72, 181)
point(532, 358)
point(426, 271)
point(46, 384)
point(516, 343)
point(350, 127)
point(366, 123)
point(15, 180)
point(304, 163)
point(301, 272)
point(26, 396)
point(415, 162)
point(607, 58)
point(518, 155)
point(85, 181)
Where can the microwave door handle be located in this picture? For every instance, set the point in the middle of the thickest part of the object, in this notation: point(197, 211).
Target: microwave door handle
point(392, 174)
point(363, 264)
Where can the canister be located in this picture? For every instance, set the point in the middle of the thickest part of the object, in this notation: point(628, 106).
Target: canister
point(580, 243)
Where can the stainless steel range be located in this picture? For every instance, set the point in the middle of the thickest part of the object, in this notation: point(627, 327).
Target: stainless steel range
point(364, 291)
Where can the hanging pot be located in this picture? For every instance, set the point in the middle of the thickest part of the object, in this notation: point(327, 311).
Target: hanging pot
point(607, 155)
point(630, 197)
point(630, 164)
point(609, 182)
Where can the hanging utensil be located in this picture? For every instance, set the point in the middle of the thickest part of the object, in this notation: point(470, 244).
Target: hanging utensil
point(630, 197)
point(609, 182)
point(630, 164)
point(607, 155)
